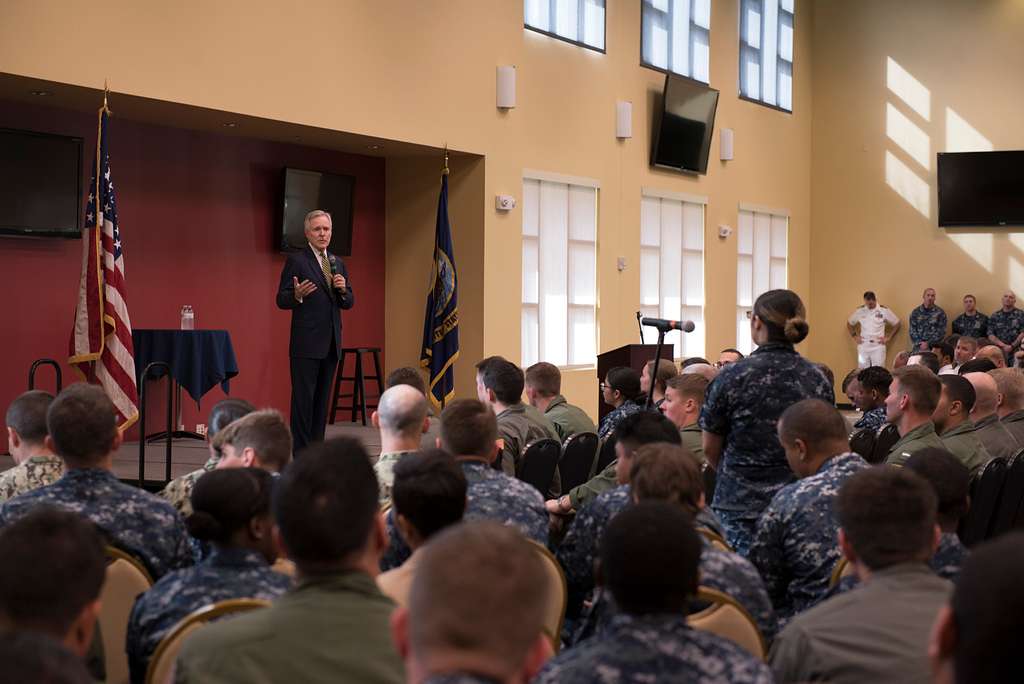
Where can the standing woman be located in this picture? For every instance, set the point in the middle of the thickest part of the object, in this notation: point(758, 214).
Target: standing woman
point(743, 406)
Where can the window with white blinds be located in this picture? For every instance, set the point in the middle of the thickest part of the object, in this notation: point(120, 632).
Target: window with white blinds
point(559, 315)
point(675, 35)
point(580, 22)
point(762, 258)
point(672, 269)
point(766, 52)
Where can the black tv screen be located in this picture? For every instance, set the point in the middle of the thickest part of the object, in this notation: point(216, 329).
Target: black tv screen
point(305, 191)
point(40, 184)
point(981, 188)
point(682, 137)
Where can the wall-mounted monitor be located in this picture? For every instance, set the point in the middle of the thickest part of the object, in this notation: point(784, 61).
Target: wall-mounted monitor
point(305, 191)
point(981, 188)
point(682, 132)
point(40, 184)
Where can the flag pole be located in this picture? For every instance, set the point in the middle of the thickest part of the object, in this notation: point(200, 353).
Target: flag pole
point(445, 171)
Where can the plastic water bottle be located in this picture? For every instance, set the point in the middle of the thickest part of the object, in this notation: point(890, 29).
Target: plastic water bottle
point(188, 318)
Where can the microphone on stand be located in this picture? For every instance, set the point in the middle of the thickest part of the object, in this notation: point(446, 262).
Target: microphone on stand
point(664, 325)
point(640, 326)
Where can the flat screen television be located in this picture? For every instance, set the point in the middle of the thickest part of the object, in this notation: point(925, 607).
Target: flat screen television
point(40, 184)
point(981, 188)
point(682, 132)
point(305, 191)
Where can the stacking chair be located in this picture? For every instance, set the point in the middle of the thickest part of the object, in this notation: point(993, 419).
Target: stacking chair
point(843, 569)
point(986, 490)
point(126, 578)
point(725, 617)
point(605, 456)
point(714, 539)
point(1008, 514)
point(161, 665)
point(538, 464)
point(578, 454)
point(557, 595)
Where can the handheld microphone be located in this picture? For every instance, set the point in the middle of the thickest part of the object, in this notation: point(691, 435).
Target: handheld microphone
point(334, 270)
point(664, 325)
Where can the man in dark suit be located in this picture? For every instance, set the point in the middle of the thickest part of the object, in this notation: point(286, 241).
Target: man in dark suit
point(314, 285)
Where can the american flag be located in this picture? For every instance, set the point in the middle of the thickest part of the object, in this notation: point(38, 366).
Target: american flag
point(101, 341)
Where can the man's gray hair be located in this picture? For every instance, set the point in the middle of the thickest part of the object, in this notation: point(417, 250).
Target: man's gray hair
point(316, 213)
point(402, 410)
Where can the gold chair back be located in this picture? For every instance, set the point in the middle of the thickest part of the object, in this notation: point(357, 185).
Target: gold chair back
point(727, 618)
point(843, 569)
point(125, 579)
point(557, 593)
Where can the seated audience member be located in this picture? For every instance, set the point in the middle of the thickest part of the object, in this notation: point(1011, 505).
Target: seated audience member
point(230, 511)
point(666, 371)
point(693, 361)
point(1010, 402)
point(851, 387)
point(913, 396)
point(50, 580)
point(483, 625)
point(727, 356)
point(900, 360)
point(950, 479)
point(684, 395)
point(993, 354)
point(649, 562)
point(971, 321)
point(621, 391)
point(469, 431)
point(82, 429)
point(261, 439)
point(706, 371)
point(976, 366)
point(794, 546)
point(926, 359)
point(34, 464)
point(874, 384)
point(179, 490)
point(578, 550)
point(499, 384)
point(965, 349)
point(827, 372)
point(954, 426)
point(544, 392)
point(877, 632)
point(31, 657)
point(429, 494)
point(334, 624)
point(402, 419)
point(989, 430)
point(944, 352)
point(976, 639)
point(407, 375)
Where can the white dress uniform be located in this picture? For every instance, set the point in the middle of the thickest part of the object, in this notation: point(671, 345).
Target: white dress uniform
point(871, 350)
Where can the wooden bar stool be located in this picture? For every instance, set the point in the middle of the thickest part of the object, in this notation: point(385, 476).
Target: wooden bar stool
point(358, 380)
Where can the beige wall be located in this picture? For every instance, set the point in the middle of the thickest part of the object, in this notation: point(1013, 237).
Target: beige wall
point(424, 72)
point(874, 232)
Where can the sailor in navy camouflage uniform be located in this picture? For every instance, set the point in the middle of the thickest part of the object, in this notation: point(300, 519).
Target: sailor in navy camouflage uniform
point(620, 389)
point(971, 323)
point(1006, 325)
point(871, 420)
point(742, 407)
point(927, 322)
point(232, 514)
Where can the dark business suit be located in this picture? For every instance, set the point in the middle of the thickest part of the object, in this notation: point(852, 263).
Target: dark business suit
point(315, 343)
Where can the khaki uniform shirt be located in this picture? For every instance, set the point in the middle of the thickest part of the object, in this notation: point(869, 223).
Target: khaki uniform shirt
point(921, 437)
point(963, 443)
point(35, 472)
point(568, 419)
point(693, 439)
point(996, 438)
point(328, 629)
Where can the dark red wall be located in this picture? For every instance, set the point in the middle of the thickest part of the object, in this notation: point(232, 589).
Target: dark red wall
point(197, 216)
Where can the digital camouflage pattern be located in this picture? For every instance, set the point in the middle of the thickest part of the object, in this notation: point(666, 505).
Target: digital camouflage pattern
point(385, 469)
point(949, 557)
point(35, 472)
point(1006, 325)
point(975, 326)
point(178, 491)
point(871, 420)
point(615, 416)
point(927, 325)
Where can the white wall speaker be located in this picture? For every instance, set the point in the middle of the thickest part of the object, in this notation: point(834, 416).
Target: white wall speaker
point(726, 137)
point(623, 119)
point(506, 87)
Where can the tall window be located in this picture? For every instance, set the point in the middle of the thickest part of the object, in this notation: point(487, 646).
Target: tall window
point(766, 52)
point(577, 21)
point(672, 266)
point(559, 316)
point(761, 262)
point(675, 36)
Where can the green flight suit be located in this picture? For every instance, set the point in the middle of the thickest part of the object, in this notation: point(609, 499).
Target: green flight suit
point(568, 419)
point(919, 438)
point(963, 443)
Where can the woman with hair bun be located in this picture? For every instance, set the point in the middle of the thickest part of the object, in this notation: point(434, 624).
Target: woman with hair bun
point(743, 405)
point(231, 511)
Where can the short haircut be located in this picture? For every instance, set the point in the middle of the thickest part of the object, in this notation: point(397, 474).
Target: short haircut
point(976, 366)
point(325, 504)
point(316, 213)
point(650, 553)
point(730, 350)
point(495, 612)
point(827, 372)
point(848, 378)
point(969, 341)
point(39, 658)
point(401, 410)
point(875, 378)
point(265, 432)
point(666, 370)
point(948, 477)
point(1010, 383)
point(625, 380)
point(406, 375)
point(545, 378)
point(468, 428)
point(814, 421)
point(502, 377)
point(870, 295)
point(27, 416)
point(82, 422)
point(225, 412)
point(695, 360)
point(959, 389)
point(945, 349)
point(54, 566)
point(666, 472)
point(921, 385)
point(888, 516)
point(429, 490)
point(927, 360)
point(645, 427)
point(224, 501)
point(988, 605)
point(690, 386)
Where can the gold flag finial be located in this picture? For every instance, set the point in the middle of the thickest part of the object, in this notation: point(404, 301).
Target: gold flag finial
point(106, 92)
point(445, 171)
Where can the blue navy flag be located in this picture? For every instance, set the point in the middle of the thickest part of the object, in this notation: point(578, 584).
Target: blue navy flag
point(441, 322)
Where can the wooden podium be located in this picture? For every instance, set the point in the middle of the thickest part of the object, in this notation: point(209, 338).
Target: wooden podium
point(634, 356)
